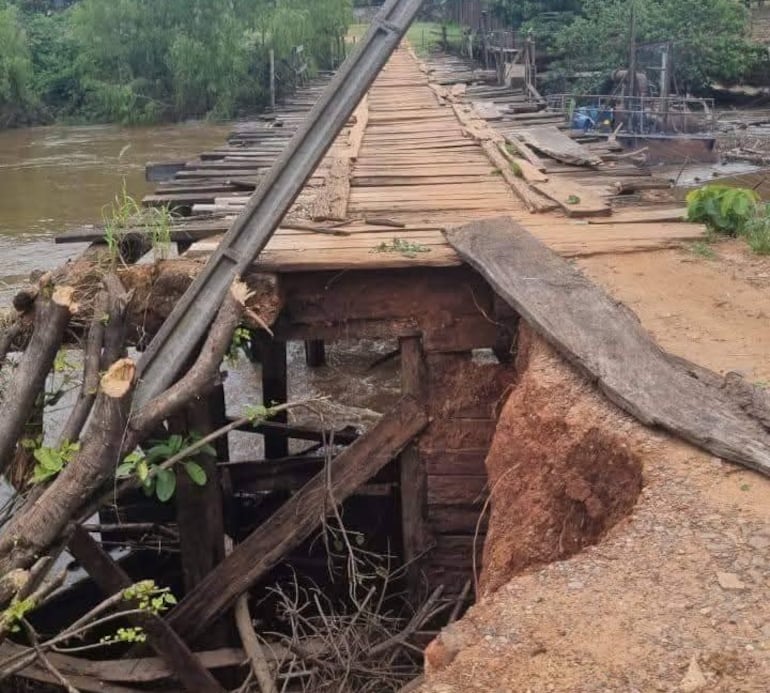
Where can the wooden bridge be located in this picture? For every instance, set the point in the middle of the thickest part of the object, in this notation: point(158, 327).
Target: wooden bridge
point(362, 254)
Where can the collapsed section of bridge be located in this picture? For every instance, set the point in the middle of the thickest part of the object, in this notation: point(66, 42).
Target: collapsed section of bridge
point(401, 216)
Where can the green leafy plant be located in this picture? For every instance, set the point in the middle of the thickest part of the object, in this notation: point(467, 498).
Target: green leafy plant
point(49, 462)
point(240, 342)
point(148, 597)
point(723, 209)
point(15, 613)
point(402, 246)
point(126, 213)
point(573, 200)
point(157, 480)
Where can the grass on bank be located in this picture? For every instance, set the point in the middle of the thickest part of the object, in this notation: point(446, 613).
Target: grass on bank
point(424, 37)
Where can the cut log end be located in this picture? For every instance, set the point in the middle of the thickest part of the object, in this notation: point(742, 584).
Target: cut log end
point(240, 292)
point(118, 379)
point(64, 296)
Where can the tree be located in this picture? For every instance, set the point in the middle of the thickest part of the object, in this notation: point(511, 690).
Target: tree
point(516, 12)
point(16, 96)
point(710, 38)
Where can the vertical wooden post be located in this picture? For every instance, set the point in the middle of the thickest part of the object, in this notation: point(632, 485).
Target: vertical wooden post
point(412, 471)
point(272, 79)
point(199, 508)
point(315, 353)
point(272, 356)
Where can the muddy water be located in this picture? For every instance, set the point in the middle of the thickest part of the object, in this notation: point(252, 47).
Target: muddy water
point(53, 179)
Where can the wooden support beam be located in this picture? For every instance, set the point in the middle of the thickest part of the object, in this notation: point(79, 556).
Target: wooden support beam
point(315, 353)
point(272, 355)
point(200, 516)
point(298, 518)
point(161, 637)
point(412, 471)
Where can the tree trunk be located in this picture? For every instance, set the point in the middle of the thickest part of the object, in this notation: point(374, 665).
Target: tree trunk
point(51, 317)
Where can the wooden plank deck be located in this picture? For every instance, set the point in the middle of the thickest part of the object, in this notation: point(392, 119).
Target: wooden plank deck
point(416, 166)
point(413, 163)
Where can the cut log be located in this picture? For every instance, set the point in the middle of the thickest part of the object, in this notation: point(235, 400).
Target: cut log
point(606, 341)
point(51, 318)
point(297, 519)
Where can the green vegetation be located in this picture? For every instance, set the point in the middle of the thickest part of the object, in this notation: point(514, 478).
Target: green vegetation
point(135, 61)
point(403, 247)
point(723, 209)
point(703, 249)
point(591, 38)
point(425, 37)
point(49, 462)
point(729, 211)
point(126, 213)
point(157, 479)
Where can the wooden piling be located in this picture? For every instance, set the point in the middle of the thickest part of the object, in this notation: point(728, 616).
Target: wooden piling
point(272, 355)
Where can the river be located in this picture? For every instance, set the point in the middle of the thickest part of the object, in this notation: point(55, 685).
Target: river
point(56, 178)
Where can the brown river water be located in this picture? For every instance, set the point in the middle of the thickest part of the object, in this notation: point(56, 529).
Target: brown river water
point(56, 178)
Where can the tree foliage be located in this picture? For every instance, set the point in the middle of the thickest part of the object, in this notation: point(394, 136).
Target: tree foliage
point(145, 60)
point(710, 38)
point(16, 74)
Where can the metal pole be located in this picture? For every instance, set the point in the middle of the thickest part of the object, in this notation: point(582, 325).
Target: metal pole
point(183, 329)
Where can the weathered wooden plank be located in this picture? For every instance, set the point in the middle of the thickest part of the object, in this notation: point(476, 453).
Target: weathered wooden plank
point(644, 216)
point(200, 515)
point(455, 462)
point(605, 341)
point(163, 639)
point(297, 519)
point(144, 670)
point(412, 475)
point(552, 142)
point(457, 519)
point(456, 490)
point(271, 353)
point(574, 198)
